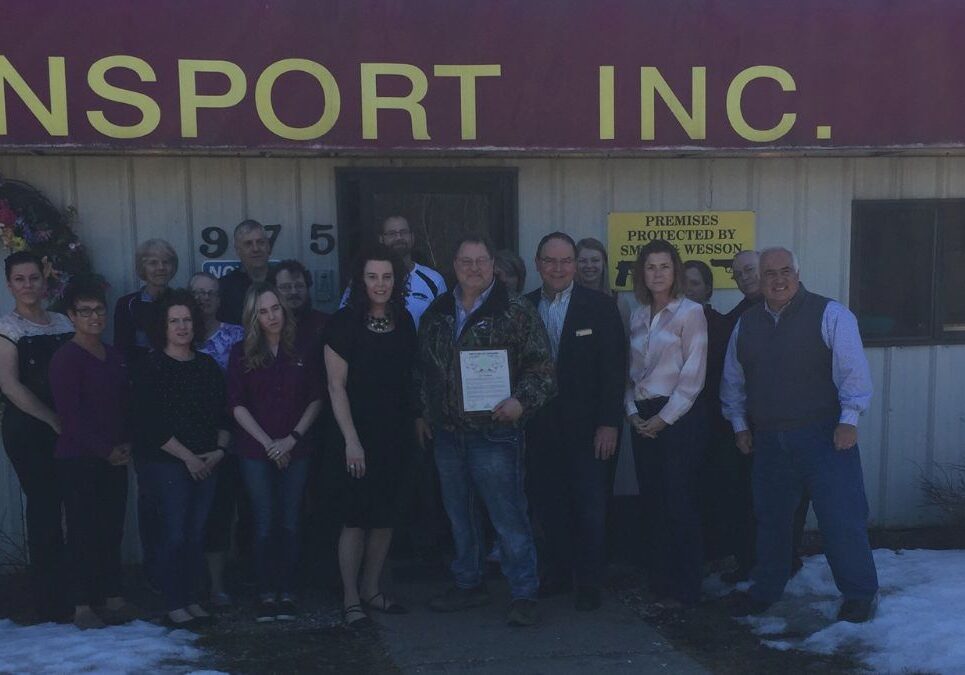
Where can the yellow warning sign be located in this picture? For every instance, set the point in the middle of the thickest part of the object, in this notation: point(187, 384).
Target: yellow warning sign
point(713, 237)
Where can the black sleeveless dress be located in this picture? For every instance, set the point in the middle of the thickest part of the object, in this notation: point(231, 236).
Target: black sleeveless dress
point(29, 443)
point(379, 387)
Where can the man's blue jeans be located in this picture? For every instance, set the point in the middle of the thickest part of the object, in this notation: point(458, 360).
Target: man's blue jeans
point(785, 464)
point(487, 465)
point(276, 498)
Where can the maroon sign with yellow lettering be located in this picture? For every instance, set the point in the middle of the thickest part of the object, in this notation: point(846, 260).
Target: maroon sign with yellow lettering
point(514, 76)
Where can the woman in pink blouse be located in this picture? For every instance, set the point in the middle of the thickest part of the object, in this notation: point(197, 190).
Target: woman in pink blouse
point(668, 358)
point(275, 394)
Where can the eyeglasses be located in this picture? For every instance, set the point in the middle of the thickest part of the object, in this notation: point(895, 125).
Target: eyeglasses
point(87, 312)
point(205, 294)
point(553, 262)
point(288, 288)
point(474, 262)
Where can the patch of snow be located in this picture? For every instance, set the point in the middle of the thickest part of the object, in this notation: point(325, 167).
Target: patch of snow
point(919, 625)
point(715, 586)
point(766, 625)
point(780, 645)
point(62, 648)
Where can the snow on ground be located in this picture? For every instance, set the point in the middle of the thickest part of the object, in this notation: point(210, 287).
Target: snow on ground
point(919, 625)
point(137, 647)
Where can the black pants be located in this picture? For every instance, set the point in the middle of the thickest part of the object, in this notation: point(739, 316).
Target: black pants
point(95, 501)
point(668, 475)
point(569, 490)
point(30, 446)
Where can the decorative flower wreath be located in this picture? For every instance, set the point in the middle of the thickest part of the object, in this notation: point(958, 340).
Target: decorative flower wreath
point(29, 222)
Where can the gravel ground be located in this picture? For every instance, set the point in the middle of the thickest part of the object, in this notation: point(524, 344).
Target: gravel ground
point(317, 642)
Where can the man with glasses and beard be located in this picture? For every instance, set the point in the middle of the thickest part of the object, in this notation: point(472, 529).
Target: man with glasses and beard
point(293, 282)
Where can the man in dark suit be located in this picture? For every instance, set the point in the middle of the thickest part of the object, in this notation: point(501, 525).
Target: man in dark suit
point(573, 439)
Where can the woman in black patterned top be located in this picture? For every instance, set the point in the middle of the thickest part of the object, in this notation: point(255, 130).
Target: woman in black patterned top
point(180, 437)
point(30, 426)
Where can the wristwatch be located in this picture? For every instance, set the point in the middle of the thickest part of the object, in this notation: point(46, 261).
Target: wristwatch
point(297, 436)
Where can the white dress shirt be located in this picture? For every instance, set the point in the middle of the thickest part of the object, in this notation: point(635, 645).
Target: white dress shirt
point(668, 357)
point(552, 310)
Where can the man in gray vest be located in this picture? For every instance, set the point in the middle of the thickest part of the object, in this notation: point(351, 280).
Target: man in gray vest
point(795, 370)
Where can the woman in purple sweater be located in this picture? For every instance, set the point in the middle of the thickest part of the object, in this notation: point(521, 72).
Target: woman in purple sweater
point(89, 382)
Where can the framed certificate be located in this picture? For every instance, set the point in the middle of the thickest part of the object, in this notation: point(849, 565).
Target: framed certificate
point(484, 379)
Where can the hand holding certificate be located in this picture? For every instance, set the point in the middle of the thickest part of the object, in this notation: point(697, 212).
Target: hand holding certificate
point(484, 379)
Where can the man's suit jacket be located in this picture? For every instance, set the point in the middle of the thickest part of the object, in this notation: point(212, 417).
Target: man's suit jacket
point(591, 370)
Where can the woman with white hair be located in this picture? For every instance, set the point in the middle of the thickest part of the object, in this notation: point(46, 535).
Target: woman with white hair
point(156, 263)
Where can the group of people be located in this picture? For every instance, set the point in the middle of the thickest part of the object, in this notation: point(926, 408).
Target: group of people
point(225, 395)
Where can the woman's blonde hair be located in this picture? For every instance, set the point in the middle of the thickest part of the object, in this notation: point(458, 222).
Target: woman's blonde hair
point(596, 245)
point(257, 354)
point(151, 247)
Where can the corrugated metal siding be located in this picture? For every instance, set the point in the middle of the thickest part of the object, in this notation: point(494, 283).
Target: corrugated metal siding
point(918, 415)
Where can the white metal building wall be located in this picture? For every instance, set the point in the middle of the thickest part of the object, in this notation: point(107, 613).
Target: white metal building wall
point(918, 413)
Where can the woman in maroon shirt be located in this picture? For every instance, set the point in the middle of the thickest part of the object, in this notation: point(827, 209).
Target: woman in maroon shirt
point(90, 385)
point(275, 394)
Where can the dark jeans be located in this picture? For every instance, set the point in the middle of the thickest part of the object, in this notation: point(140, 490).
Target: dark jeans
point(148, 527)
point(788, 463)
point(729, 525)
point(569, 489)
point(276, 499)
point(217, 532)
point(30, 447)
point(95, 502)
point(488, 464)
point(182, 505)
point(668, 475)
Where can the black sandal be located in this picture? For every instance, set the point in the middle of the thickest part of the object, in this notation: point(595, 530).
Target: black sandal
point(363, 621)
point(386, 606)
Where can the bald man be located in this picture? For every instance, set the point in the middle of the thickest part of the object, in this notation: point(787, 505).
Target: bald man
point(795, 382)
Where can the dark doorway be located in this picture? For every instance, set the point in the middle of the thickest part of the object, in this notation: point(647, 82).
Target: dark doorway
point(440, 205)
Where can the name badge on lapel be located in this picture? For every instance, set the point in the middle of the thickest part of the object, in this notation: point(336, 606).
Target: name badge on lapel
point(584, 331)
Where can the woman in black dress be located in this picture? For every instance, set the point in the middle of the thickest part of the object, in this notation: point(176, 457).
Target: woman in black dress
point(368, 356)
point(30, 426)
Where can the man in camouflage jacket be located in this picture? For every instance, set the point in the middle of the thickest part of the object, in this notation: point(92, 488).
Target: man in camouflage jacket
point(482, 456)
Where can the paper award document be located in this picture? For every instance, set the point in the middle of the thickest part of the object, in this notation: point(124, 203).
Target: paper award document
point(484, 379)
